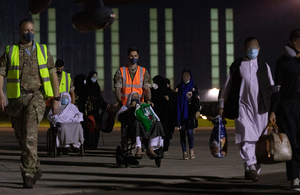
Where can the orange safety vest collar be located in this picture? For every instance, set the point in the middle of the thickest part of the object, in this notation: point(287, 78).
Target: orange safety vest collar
point(135, 85)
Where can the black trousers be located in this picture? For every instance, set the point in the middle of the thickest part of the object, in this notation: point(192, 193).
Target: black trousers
point(288, 121)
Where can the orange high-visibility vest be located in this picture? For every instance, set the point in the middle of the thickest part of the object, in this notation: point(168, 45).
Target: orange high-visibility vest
point(135, 85)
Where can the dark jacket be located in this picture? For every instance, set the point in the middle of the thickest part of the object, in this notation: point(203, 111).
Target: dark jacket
point(231, 107)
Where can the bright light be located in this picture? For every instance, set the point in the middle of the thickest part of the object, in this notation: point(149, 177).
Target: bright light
point(203, 117)
point(213, 94)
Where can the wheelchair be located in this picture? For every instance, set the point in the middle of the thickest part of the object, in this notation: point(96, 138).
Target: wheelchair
point(51, 144)
point(124, 154)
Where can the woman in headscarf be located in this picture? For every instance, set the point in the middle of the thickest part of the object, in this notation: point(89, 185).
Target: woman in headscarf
point(163, 100)
point(95, 103)
point(67, 121)
point(135, 128)
point(188, 103)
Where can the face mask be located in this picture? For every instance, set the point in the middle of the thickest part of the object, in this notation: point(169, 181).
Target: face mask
point(28, 37)
point(94, 79)
point(135, 100)
point(133, 60)
point(58, 73)
point(252, 53)
point(64, 101)
point(155, 86)
point(84, 82)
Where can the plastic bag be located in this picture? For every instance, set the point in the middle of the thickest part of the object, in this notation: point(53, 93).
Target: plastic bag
point(144, 114)
point(218, 138)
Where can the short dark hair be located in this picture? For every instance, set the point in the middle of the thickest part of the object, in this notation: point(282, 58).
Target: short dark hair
point(250, 39)
point(131, 49)
point(295, 34)
point(59, 63)
point(24, 21)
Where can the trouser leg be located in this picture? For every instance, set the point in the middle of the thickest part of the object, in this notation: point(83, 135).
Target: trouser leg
point(190, 134)
point(183, 140)
point(247, 152)
point(28, 113)
point(293, 166)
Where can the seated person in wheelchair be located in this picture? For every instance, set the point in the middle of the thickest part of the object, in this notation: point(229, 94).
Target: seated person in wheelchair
point(67, 121)
point(136, 128)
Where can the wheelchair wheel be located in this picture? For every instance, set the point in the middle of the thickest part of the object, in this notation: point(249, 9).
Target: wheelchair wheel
point(158, 162)
point(48, 142)
point(81, 150)
point(54, 152)
point(119, 156)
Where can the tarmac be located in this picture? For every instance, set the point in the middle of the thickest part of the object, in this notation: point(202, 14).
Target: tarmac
point(98, 173)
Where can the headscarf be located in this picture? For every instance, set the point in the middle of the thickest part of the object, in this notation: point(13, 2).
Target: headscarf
point(127, 106)
point(80, 87)
point(67, 113)
point(182, 100)
point(94, 88)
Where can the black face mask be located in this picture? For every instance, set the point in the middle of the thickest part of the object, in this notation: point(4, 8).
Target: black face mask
point(58, 73)
point(135, 100)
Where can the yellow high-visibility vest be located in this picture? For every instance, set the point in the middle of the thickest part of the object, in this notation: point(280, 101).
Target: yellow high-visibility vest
point(13, 77)
point(65, 83)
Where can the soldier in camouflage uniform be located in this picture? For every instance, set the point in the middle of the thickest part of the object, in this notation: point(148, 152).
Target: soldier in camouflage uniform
point(27, 110)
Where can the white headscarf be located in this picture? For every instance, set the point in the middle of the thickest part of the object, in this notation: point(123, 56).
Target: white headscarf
point(67, 113)
point(125, 107)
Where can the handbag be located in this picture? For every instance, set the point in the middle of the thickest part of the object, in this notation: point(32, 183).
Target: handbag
point(274, 147)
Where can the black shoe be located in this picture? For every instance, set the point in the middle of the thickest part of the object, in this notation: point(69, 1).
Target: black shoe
point(37, 176)
point(28, 182)
point(251, 175)
point(295, 185)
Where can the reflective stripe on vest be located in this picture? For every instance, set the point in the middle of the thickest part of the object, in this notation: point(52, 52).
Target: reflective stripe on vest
point(65, 83)
point(129, 85)
point(13, 77)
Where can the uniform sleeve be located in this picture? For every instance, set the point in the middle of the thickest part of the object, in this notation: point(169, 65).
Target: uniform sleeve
point(3, 64)
point(147, 80)
point(50, 63)
point(118, 79)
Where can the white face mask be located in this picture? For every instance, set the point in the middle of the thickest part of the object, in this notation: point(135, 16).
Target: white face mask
point(84, 82)
point(155, 86)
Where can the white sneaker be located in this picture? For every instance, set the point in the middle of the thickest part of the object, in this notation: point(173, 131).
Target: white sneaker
point(295, 185)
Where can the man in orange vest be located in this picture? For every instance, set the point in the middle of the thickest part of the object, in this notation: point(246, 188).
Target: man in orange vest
point(132, 77)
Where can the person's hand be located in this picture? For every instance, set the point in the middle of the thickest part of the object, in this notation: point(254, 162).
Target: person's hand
point(176, 90)
point(133, 104)
point(55, 107)
point(166, 97)
point(189, 94)
point(220, 111)
point(197, 115)
point(272, 117)
point(117, 105)
point(2, 101)
point(151, 103)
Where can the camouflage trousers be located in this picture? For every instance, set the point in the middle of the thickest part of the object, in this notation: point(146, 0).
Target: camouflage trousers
point(26, 114)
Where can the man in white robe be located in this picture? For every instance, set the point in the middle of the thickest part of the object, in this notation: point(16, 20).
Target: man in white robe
point(247, 92)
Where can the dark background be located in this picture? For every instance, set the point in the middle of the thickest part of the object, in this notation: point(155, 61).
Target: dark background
point(269, 20)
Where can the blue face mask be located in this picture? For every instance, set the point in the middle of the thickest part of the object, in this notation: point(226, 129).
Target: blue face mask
point(133, 60)
point(28, 37)
point(135, 100)
point(252, 53)
point(93, 79)
point(64, 101)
